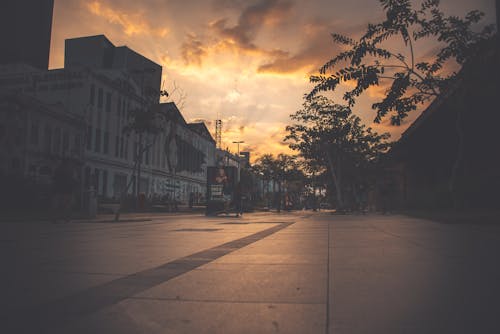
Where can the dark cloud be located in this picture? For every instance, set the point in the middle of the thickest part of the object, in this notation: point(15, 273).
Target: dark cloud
point(242, 35)
point(202, 120)
point(251, 20)
point(317, 48)
point(193, 50)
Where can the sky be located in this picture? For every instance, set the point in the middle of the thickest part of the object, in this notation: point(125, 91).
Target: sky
point(246, 62)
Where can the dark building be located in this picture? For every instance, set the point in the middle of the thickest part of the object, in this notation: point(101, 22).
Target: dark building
point(25, 29)
point(450, 155)
point(97, 52)
point(245, 159)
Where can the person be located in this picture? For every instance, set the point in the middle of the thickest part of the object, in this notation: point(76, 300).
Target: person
point(64, 184)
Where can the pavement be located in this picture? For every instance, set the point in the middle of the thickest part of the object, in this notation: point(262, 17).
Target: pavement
point(299, 272)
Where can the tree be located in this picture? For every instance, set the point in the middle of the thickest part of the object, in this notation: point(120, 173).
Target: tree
point(145, 122)
point(369, 62)
point(411, 82)
point(331, 135)
point(278, 169)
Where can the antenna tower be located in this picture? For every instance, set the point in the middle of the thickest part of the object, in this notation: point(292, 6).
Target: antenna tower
point(218, 133)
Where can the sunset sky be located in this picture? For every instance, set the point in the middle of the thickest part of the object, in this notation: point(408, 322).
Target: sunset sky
point(247, 62)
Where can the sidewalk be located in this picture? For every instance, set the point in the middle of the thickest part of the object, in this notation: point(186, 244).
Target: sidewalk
point(27, 216)
point(301, 272)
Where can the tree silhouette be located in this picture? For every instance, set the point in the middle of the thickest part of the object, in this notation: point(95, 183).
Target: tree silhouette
point(145, 122)
point(331, 135)
point(371, 61)
point(280, 169)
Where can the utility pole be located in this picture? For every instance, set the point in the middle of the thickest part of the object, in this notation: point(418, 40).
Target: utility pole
point(218, 133)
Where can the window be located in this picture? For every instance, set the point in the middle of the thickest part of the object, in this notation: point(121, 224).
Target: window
point(120, 184)
point(18, 136)
point(106, 142)
point(99, 98)
point(126, 149)
point(96, 180)
point(153, 155)
point(97, 146)
point(122, 148)
point(89, 137)
point(104, 183)
point(77, 143)
point(92, 94)
point(34, 134)
point(86, 178)
point(47, 139)
point(108, 102)
point(57, 140)
point(117, 146)
point(65, 142)
point(119, 106)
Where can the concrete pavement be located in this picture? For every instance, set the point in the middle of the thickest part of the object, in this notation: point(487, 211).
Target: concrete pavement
point(265, 273)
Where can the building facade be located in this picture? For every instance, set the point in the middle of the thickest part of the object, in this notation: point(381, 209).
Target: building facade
point(174, 165)
point(35, 137)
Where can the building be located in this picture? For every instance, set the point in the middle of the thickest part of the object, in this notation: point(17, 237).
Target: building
point(25, 31)
point(226, 158)
point(449, 156)
point(174, 164)
point(35, 137)
point(245, 159)
point(180, 156)
point(98, 53)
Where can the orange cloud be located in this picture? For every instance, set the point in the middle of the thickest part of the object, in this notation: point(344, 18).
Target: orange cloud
point(316, 50)
point(239, 38)
point(132, 24)
point(251, 20)
point(260, 137)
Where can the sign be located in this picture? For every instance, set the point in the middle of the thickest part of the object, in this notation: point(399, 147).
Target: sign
point(221, 183)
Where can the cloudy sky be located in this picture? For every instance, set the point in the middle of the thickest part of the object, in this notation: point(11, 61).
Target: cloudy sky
point(246, 62)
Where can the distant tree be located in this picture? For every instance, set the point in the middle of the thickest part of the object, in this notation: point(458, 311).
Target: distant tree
point(280, 169)
point(369, 61)
point(331, 135)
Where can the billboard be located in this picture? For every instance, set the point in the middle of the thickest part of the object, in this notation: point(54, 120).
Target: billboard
point(221, 183)
point(221, 186)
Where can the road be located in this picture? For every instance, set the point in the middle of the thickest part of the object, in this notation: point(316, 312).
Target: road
point(297, 272)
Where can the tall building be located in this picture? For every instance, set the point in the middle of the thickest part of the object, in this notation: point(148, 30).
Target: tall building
point(25, 30)
point(97, 52)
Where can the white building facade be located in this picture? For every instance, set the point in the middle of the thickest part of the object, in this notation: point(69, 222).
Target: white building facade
point(175, 163)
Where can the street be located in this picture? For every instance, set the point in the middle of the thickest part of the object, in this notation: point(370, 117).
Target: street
point(301, 272)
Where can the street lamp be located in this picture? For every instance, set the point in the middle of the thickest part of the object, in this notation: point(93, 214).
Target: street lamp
point(238, 142)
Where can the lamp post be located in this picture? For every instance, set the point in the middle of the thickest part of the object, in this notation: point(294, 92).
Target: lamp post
point(238, 142)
